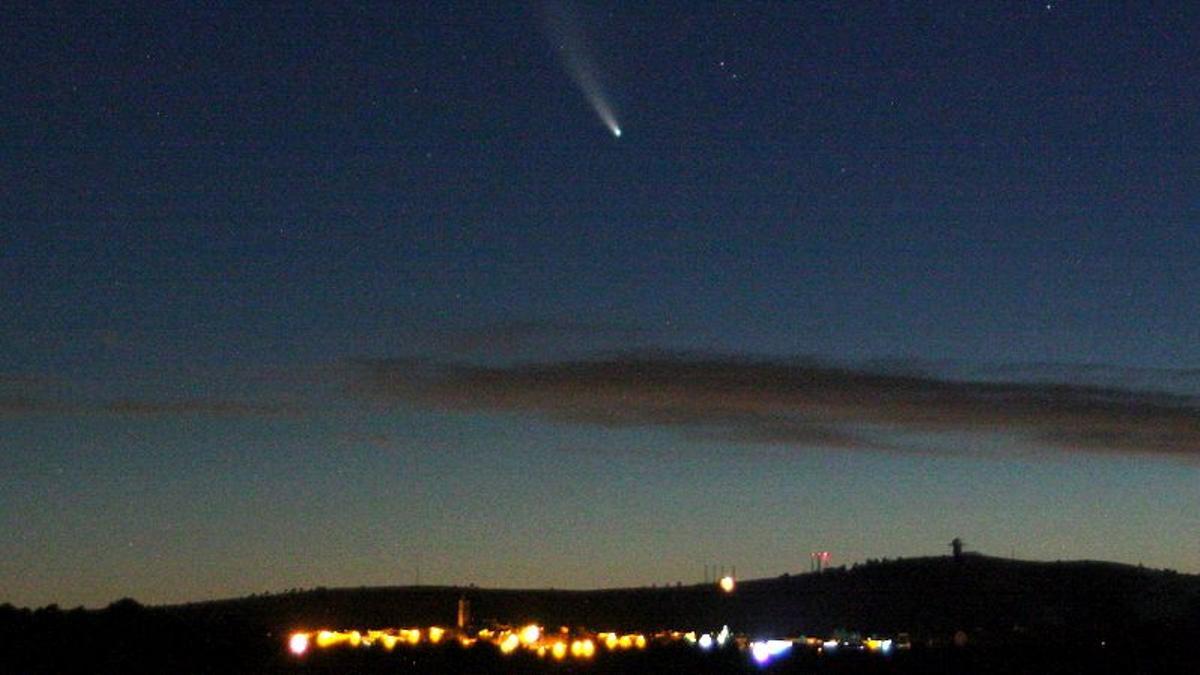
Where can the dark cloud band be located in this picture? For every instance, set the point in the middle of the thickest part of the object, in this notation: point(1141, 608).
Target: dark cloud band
point(796, 403)
point(21, 405)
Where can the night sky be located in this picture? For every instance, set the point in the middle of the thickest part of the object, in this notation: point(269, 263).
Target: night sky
point(298, 294)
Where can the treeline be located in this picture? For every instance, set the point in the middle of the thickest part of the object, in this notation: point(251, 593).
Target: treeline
point(126, 637)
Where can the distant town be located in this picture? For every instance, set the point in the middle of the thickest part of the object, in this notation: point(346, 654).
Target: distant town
point(962, 612)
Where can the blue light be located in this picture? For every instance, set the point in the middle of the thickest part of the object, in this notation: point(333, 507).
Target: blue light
point(764, 650)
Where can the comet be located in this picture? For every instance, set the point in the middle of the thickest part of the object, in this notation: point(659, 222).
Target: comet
point(563, 27)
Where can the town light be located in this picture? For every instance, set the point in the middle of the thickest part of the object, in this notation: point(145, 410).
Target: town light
point(765, 650)
point(298, 643)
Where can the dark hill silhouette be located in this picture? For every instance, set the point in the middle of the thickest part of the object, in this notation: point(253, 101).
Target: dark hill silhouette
point(1009, 609)
point(927, 597)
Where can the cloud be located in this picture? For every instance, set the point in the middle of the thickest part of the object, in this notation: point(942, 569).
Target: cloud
point(796, 403)
point(24, 394)
point(381, 441)
point(22, 405)
point(21, 380)
point(519, 336)
point(209, 407)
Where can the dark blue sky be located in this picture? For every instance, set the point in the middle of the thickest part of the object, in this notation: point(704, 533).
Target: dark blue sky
point(255, 257)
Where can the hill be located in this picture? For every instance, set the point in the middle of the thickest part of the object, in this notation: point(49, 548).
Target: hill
point(927, 597)
point(1020, 617)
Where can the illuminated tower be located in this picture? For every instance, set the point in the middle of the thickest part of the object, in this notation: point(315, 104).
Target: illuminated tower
point(819, 560)
point(464, 613)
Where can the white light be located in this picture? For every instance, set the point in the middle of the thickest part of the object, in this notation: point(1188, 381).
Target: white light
point(759, 651)
point(617, 132)
point(765, 650)
point(298, 644)
point(723, 636)
point(706, 641)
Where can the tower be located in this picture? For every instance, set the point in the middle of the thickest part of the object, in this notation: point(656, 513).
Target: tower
point(956, 546)
point(464, 613)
